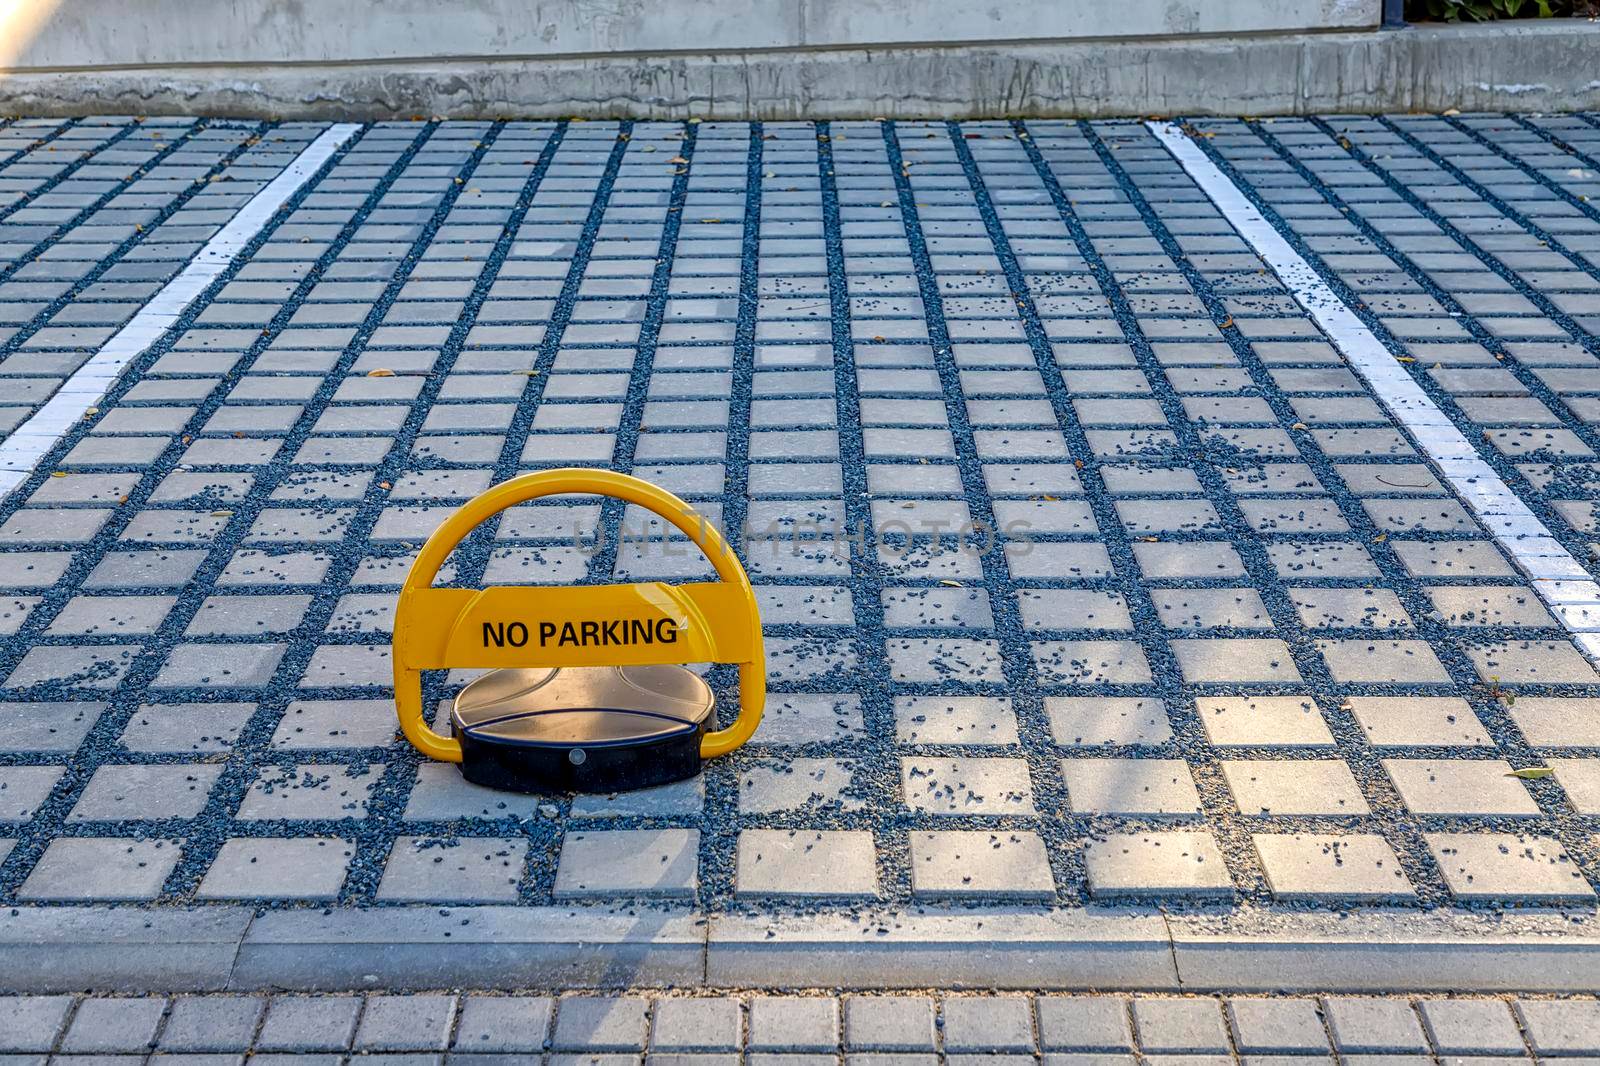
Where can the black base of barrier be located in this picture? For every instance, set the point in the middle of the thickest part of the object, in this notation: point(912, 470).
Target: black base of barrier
point(616, 766)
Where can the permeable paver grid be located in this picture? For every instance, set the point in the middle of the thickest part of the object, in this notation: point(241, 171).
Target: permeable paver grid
point(1088, 568)
point(1472, 245)
point(95, 214)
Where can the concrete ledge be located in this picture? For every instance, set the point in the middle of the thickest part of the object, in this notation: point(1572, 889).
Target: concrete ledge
point(67, 949)
point(1392, 952)
point(1547, 65)
point(490, 947)
point(127, 949)
point(1060, 949)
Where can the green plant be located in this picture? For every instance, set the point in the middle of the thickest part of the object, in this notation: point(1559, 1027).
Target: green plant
point(1484, 10)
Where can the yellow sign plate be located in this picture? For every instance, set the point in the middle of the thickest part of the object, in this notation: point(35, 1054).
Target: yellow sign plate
point(585, 625)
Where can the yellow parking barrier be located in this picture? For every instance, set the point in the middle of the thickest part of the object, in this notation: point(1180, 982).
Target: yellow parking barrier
point(587, 690)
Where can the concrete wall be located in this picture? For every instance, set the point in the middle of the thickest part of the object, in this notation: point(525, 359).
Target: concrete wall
point(1006, 57)
point(81, 34)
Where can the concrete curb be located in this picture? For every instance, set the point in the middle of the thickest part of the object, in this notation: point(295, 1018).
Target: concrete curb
point(1005, 949)
point(436, 947)
point(63, 949)
point(1388, 951)
point(1523, 66)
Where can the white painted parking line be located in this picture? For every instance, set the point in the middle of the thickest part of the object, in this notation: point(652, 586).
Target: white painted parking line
point(1559, 579)
point(32, 441)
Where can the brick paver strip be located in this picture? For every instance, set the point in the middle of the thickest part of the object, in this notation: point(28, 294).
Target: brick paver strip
point(1237, 650)
point(943, 1027)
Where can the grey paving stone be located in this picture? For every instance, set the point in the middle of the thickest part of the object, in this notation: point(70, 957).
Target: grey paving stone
point(176, 728)
point(943, 659)
point(120, 793)
point(1277, 1027)
point(277, 868)
point(309, 1023)
point(1091, 662)
point(704, 1025)
point(1331, 866)
point(100, 667)
point(980, 865)
point(455, 870)
point(313, 724)
point(991, 1024)
point(1382, 661)
point(966, 786)
point(785, 1058)
point(47, 727)
point(111, 1026)
point(1580, 779)
point(33, 569)
point(1556, 721)
point(406, 1023)
point(793, 1024)
point(1263, 721)
point(1365, 1025)
point(112, 615)
point(801, 863)
point(1156, 787)
point(678, 798)
point(1471, 1027)
point(1235, 660)
point(1299, 786)
point(1053, 609)
point(1514, 662)
point(888, 1023)
point(442, 794)
point(31, 1023)
point(1083, 1024)
point(1561, 1027)
point(1180, 1026)
point(213, 666)
point(1337, 608)
point(24, 789)
point(211, 1024)
point(1191, 559)
point(600, 1023)
point(955, 720)
point(84, 869)
point(936, 607)
point(1418, 721)
point(796, 784)
point(1451, 786)
point(692, 1058)
point(503, 1024)
point(1177, 863)
point(1093, 721)
point(639, 862)
point(1507, 866)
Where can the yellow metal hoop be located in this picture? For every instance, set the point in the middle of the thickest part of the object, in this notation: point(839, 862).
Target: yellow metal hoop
point(445, 628)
